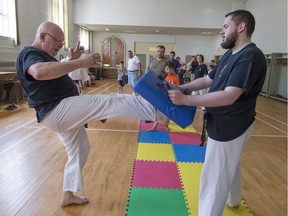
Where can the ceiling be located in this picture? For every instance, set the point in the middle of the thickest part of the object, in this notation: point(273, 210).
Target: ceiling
point(120, 29)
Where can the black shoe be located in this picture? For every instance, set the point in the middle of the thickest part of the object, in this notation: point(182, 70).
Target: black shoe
point(10, 107)
point(13, 106)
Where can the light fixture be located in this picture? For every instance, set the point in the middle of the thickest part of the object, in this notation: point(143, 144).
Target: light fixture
point(131, 32)
point(152, 49)
point(206, 33)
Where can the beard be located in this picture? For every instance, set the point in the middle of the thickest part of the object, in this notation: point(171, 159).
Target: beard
point(230, 41)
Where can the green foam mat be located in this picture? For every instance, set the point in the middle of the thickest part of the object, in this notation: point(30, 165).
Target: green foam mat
point(156, 202)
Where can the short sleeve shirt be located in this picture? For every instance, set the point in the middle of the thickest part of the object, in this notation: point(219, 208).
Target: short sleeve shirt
point(173, 79)
point(200, 71)
point(120, 72)
point(43, 95)
point(245, 69)
point(176, 65)
point(158, 65)
point(133, 63)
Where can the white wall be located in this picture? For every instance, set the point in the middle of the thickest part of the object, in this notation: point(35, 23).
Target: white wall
point(271, 24)
point(184, 45)
point(168, 13)
point(74, 30)
point(270, 34)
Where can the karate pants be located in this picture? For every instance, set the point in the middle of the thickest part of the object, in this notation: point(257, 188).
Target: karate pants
point(220, 181)
point(70, 115)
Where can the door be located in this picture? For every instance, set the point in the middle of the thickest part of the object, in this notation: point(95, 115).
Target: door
point(112, 51)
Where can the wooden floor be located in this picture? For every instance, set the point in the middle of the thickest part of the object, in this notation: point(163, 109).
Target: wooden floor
point(32, 161)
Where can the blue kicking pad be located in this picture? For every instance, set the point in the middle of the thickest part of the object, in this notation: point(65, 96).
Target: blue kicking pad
point(155, 90)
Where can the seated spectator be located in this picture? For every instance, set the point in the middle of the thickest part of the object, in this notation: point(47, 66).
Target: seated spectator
point(81, 78)
point(92, 78)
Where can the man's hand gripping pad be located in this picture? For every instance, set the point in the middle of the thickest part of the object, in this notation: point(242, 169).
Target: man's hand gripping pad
point(155, 90)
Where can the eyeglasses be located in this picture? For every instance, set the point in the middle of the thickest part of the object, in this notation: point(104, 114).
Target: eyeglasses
point(56, 40)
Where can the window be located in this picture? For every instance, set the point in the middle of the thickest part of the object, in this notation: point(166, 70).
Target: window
point(8, 27)
point(85, 38)
point(60, 17)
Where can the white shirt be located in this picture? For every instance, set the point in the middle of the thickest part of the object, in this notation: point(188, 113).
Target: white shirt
point(132, 63)
point(80, 74)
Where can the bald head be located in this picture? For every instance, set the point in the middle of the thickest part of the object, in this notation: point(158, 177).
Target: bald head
point(49, 38)
point(48, 27)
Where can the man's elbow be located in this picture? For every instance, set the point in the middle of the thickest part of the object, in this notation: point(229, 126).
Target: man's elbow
point(232, 94)
point(230, 100)
point(36, 75)
point(34, 72)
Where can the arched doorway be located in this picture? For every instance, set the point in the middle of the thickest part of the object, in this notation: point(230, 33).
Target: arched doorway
point(112, 51)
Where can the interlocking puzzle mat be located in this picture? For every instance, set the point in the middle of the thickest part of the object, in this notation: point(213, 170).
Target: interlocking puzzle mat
point(166, 174)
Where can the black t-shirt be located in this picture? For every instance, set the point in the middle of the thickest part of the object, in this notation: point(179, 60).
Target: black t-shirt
point(245, 69)
point(193, 67)
point(43, 95)
point(200, 71)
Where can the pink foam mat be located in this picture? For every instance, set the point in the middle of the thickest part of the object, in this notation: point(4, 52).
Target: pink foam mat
point(185, 138)
point(154, 174)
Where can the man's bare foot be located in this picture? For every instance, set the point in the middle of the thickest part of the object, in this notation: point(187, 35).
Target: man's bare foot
point(235, 207)
point(69, 198)
point(154, 127)
point(162, 119)
point(166, 129)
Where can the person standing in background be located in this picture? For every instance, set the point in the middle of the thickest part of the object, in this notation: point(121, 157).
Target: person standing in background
point(180, 61)
point(134, 69)
point(173, 79)
point(200, 71)
point(177, 65)
point(191, 67)
point(212, 62)
point(182, 71)
point(157, 63)
point(120, 72)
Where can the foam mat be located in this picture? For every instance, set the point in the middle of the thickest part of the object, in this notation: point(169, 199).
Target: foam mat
point(166, 174)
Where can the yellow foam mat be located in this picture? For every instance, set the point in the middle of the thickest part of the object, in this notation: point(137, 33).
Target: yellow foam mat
point(173, 127)
point(155, 152)
point(190, 175)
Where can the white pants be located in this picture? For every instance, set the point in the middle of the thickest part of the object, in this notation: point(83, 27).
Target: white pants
point(220, 181)
point(68, 119)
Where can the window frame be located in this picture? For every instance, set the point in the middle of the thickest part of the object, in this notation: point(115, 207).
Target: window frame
point(11, 16)
point(59, 14)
